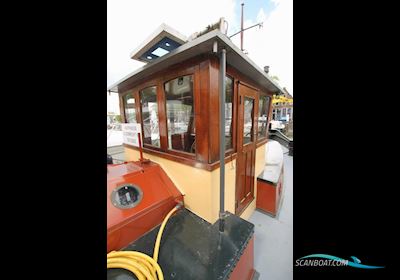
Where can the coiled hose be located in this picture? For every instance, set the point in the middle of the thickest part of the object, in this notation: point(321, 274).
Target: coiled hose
point(141, 265)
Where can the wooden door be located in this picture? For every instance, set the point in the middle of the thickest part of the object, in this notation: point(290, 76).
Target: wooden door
point(246, 146)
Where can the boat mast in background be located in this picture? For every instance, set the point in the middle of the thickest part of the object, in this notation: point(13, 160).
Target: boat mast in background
point(260, 24)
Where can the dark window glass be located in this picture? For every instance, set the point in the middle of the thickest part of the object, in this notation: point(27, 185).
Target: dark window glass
point(130, 109)
point(151, 131)
point(180, 114)
point(248, 120)
point(263, 111)
point(228, 113)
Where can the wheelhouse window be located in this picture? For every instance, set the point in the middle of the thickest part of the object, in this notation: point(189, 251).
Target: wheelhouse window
point(248, 120)
point(151, 131)
point(228, 113)
point(130, 109)
point(180, 114)
point(263, 112)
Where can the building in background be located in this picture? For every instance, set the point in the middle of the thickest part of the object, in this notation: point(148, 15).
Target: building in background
point(112, 120)
point(283, 111)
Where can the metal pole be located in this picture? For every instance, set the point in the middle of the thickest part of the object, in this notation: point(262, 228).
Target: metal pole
point(241, 30)
point(257, 24)
point(222, 74)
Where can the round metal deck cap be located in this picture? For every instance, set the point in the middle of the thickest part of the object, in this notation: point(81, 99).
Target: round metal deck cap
point(126, 196)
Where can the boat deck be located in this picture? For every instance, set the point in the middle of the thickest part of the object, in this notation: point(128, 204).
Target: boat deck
point(273, 237)
point(194, 249)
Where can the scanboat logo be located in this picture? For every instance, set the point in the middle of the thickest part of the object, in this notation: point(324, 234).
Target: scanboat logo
point(328, 260)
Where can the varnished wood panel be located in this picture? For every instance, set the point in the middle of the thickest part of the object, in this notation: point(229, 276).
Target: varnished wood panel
point(161, 74)
point(205, 70)
point(159, 80)
point(246, 80)
point(162, 116)
point(202, 115)
point(245, 152)
point(122, 108)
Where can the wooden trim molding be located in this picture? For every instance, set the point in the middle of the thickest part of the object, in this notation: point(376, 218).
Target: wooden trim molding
point(183, 160)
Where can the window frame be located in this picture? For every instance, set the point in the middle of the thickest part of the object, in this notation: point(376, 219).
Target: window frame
point(171, 75)
point(165, 80)
point(159, 82)
point(203, 71)
point(152, 83)
point(263, 137)
point(232, 150)
point(123, 99)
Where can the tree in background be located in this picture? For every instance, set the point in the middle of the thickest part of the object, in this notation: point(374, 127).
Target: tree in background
point(118, 118)
point(275, 78)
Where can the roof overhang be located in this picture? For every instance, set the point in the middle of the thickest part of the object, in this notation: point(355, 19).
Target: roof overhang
point(203, 45)
point(164, 38)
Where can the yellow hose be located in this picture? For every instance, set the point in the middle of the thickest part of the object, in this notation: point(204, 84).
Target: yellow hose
point(143, 266)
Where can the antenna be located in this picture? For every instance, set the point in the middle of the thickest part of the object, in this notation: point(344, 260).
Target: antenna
point(260, 24)
point(241, 29)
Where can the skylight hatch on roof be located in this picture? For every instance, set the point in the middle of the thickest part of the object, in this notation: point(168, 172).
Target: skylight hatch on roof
point(164, 40)
point(160, 52)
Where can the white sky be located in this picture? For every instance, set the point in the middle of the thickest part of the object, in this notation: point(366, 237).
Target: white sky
point(130, 22)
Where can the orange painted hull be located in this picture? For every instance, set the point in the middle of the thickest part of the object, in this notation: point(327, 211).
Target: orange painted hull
point(159, 196)
point(269, 196)
point(244, 269)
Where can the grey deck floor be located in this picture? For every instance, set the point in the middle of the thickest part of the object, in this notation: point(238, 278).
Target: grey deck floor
point(273, 247)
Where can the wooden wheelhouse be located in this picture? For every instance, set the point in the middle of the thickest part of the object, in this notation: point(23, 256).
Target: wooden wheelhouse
point(176, 100)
